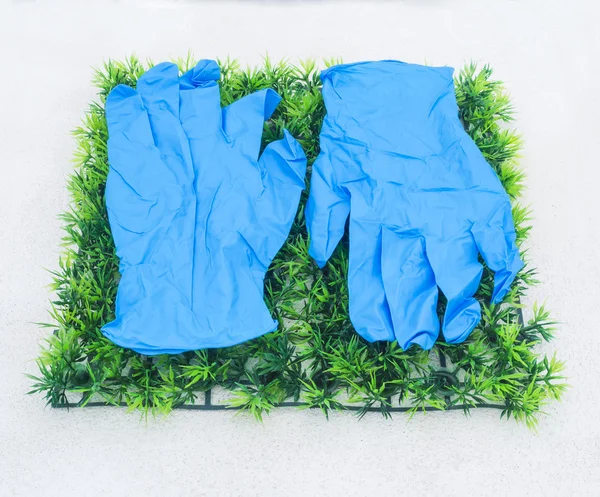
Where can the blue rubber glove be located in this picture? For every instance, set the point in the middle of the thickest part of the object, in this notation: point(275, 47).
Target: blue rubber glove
point(196, 216)
point(422, 200)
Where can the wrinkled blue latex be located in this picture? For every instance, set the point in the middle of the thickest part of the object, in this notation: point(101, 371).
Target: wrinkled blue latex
point(422, 201)
point(196, 216)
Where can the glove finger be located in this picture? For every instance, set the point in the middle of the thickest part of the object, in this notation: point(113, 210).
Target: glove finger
point(410, 289)
point(496, 241)
point(327, 210)
point(125, 114)
point(457, 273)
point(159, 90)
point(243, 120)
point(200, 101)
point(369, 308)
point(136, 177)
point(282, 166)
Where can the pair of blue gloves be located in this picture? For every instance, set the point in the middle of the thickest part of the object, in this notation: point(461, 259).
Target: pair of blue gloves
point(197, 216)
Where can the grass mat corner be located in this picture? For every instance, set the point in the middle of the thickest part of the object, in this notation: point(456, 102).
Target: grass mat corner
point(315, 358)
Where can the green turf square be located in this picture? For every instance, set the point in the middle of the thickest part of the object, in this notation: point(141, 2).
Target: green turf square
point(315, 358)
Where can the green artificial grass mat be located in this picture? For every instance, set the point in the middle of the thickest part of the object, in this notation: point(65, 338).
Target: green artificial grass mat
point(315, 358)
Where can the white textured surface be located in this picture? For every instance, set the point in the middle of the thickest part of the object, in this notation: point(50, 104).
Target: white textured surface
point(546, 51)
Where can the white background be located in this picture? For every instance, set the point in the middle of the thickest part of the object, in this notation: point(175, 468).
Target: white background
point(546, 51)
